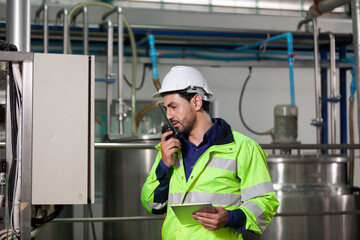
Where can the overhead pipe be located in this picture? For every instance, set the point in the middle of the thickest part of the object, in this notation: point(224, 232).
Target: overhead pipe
point(319, 7)
point(355, 5)
point(109, 71)
point(84, 11)
point(290, 56)
point(63, 12)
point(44, 9)
point(18, 24)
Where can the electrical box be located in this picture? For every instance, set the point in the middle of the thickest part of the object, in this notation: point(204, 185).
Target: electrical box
point(63, 129)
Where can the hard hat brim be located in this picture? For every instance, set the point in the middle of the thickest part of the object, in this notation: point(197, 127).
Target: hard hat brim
point(157, 95)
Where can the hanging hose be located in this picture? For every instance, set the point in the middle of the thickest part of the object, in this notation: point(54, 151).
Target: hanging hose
point(240, 110)
point(142, 79)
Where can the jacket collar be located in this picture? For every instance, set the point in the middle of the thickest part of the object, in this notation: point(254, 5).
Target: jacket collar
point(225, 135)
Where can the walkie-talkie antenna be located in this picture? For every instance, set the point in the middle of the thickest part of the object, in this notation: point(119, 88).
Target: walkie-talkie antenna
point(175, 133)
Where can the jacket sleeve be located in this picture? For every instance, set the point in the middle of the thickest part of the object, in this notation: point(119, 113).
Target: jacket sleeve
point(259, 201)
point(154, 194)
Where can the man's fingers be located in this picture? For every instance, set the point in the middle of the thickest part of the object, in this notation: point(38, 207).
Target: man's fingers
point(165, 135)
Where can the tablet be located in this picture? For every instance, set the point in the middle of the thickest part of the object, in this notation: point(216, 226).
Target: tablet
point(184, 212)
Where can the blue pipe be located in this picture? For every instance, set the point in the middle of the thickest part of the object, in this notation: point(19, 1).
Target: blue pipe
point(107, 80)
point(353, 80)
point(153, 55)
point(290, 57)
point(141, 42)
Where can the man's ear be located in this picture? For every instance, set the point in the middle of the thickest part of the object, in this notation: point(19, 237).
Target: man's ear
point(197, 102)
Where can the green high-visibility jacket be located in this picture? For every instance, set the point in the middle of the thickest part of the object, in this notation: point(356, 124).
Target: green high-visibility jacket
point(232, 173)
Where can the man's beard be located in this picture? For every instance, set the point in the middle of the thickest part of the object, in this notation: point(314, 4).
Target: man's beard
point(187, 124)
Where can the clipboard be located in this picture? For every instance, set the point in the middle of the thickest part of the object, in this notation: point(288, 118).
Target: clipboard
point(184, 212)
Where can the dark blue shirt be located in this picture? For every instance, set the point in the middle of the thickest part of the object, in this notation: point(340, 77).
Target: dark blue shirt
point(191, 153)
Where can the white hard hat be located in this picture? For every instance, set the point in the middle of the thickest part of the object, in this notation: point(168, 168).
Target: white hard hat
point(185, 78)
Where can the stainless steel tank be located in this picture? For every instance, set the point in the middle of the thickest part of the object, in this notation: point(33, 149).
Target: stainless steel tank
point(125, 172)
point(312, 191)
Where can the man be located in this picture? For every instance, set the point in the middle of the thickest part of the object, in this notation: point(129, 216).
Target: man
point(207, 163)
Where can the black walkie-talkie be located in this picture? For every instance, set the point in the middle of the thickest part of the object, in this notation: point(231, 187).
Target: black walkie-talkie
point(168, 125)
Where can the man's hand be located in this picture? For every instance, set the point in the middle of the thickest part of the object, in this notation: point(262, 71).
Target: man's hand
point(212, 221)
point(168, 147)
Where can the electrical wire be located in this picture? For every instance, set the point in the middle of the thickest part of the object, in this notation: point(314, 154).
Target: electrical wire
point(46, 219)
point(240, 109)
point(142, 79)
point(92, 223)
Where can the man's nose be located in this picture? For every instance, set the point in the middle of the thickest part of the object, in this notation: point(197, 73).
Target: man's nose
point(169, 114)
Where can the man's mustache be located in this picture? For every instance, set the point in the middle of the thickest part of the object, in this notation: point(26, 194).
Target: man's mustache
point(174, 121)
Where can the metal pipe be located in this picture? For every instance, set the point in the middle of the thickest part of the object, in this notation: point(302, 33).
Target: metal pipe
point(351, 138)
point(310, 146)
point(18, 24)
point(319, 8)
point(318, 120)
point(114, 146)
point(109, 70)
point(355, 5)
point(83, 10)
point(64, 13)
point(342, 97)
point(118, 11)
point(332, 91)
point(141, 218)
point(324, 110)
point(328, 5)
point(26, 156)
point(300, 214)
point(44, 8)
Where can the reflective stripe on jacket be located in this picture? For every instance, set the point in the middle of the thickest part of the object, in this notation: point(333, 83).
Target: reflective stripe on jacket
point(232, 173)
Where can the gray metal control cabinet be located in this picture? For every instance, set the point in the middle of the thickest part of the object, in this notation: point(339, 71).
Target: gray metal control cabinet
point(62, 129)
